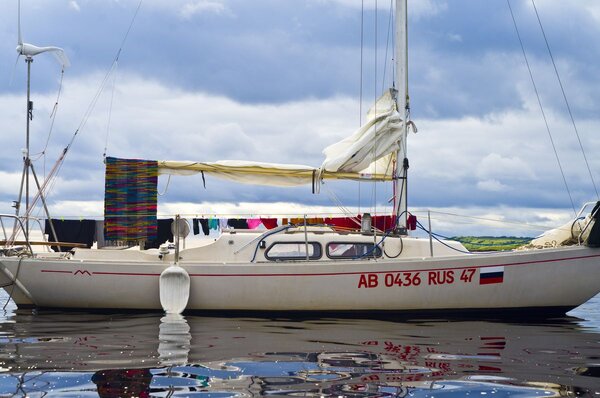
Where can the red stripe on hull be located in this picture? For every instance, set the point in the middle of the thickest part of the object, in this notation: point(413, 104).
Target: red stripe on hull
point(57, 272)
point(482, 282)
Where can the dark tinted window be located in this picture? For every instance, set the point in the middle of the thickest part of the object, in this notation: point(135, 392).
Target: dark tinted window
point(352, 250)
point(293, 251)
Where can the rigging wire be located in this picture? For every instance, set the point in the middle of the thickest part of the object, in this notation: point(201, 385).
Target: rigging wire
point(50, 181)
point(387, 45)
point(42, 153)
point(13, 283)
point(562, 89)
point(436, 237)
point(94, 101)
point(375, 114)
point(362, 45)
point(541, 107)
point(335, 199)
point(488, 219)
point(110, 108)
point(53, 117)
point(388, 39)
point(106, 77)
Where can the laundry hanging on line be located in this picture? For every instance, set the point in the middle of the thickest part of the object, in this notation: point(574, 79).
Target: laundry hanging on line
point(164, 233)
point(71, 231)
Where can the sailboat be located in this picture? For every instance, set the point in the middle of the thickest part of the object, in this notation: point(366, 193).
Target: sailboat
point(304, 267)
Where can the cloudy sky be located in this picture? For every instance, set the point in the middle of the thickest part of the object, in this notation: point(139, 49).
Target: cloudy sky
point(279, 80)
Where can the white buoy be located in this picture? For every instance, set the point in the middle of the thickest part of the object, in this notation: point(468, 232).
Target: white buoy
point(174, 289)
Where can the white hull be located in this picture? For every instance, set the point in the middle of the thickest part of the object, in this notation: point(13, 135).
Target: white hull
point(550, 278)
point(236, 272)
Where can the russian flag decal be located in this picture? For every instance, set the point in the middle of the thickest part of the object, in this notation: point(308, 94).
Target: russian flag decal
point(491, 275)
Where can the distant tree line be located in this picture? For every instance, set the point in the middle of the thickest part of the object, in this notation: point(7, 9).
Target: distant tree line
point(491, 243)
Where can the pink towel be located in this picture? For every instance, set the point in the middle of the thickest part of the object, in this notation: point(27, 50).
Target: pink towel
point(253, 223)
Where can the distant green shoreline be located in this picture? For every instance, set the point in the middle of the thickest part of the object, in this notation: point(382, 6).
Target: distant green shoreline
point(491, 243)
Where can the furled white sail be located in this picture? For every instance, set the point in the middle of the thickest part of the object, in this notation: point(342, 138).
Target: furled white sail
point(370, 149)
point(367, 154)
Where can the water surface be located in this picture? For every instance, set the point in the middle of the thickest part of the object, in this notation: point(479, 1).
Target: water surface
point(73, 354)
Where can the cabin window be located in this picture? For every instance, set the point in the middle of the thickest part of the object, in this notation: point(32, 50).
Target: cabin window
point(293, 251)
point(352, 250)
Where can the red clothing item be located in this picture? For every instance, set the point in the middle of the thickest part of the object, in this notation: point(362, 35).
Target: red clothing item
point(343, 222)
point(383, 223)
point(269, 223)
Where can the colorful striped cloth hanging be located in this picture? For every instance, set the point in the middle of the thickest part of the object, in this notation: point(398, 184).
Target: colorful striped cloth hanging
point(130, 198)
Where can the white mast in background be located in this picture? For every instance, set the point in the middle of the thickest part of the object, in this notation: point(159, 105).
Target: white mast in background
point(402, 100)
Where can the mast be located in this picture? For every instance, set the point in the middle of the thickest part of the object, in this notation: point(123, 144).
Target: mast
point(402, 102)
point(27, 168)
point(26, 158)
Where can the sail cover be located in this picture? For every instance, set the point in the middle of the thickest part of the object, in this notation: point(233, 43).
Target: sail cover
point(275, 174)
point(243, 171)
point(367, 154)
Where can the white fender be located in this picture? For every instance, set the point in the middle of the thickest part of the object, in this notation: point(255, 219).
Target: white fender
point(174, 289)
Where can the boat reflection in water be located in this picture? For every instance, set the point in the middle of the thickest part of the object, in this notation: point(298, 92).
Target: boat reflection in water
point(136, 355)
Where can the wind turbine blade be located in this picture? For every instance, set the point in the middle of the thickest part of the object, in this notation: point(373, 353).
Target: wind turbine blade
point(12, 75)
point(61, 56)
point(19, 39)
